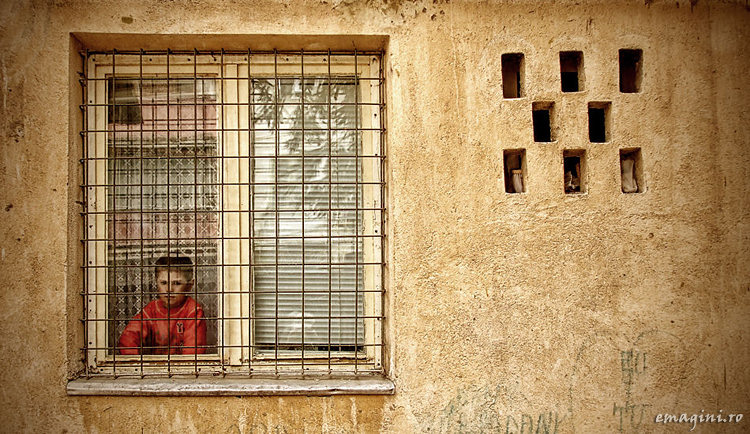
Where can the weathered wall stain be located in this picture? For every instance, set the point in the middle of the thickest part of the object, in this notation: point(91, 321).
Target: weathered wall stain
point(495, 409)
point(640, 375)
point(259, 428)
point(633, 365)
point(546, 423)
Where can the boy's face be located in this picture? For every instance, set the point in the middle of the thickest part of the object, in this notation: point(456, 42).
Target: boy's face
point(173, 287)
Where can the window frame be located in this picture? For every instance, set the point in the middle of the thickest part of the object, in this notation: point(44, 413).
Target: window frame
point(237, 353)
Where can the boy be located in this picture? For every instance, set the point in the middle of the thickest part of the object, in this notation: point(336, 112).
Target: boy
point(172, 324)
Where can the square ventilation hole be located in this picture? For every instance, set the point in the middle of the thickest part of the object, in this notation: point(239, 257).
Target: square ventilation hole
point(631, 62)
point(512, 66)
point(571, 71)
point(631, 171)
point(599, 122)
point(574, 171)
point(514, 168)
point(542, 116)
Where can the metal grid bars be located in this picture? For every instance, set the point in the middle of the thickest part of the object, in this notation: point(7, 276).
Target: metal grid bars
point(233, 213)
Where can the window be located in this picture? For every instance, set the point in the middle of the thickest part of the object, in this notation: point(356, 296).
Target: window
point(265, 171)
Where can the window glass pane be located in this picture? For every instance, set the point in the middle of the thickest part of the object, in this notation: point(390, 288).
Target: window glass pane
point(162, 197)
point(329, 278)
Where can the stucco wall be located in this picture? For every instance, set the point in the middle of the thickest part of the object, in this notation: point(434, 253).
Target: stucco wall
point(505, 312)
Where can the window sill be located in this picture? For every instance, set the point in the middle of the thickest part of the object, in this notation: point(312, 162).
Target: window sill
point(230, 387)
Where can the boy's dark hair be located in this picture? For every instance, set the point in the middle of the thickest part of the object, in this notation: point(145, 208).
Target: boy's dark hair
point(182, 264)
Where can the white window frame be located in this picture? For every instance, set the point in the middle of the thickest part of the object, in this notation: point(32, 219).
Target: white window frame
point(232, 141)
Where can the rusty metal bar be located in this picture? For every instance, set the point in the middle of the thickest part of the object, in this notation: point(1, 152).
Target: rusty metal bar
point(250, 207)
point(195, 198)
point(221, 219)
point(302, 205)
point(276, 89)
point(330, 212)
point(169, 232)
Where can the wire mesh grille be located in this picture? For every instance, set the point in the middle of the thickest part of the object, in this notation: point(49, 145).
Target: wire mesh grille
point(261, 173)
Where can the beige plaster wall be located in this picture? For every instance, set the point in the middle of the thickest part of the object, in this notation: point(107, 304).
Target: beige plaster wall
point(506, 312)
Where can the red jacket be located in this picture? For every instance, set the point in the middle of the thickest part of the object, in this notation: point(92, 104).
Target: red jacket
point(181, 333)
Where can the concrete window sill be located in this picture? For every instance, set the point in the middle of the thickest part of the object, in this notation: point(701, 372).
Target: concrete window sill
point(230, 386)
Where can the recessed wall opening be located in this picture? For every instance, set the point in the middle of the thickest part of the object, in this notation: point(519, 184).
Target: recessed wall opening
point(514, 168)
point(542, 114)
point(599, 121)
point(512, 66)
point(630, 70)
point(631, 171)
point(571, 71)
point(189, 181)
point(574, 171)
